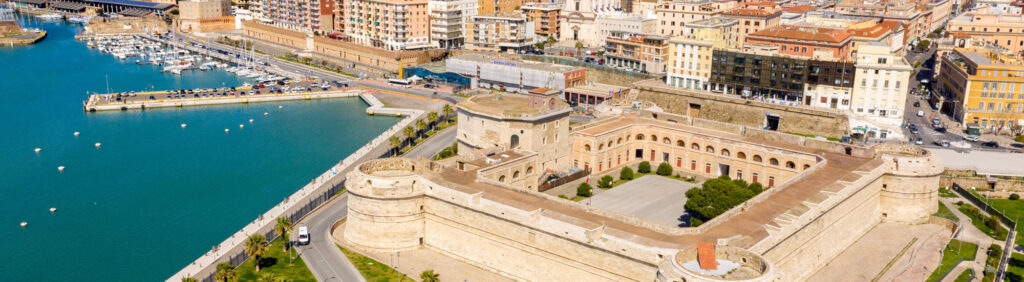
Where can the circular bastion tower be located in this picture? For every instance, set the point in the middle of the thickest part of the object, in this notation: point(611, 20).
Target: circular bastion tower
point(732, 264)
point(385, 205)
point(909, 191)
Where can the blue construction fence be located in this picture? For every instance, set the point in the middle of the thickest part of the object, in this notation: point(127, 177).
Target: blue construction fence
point(449, 78)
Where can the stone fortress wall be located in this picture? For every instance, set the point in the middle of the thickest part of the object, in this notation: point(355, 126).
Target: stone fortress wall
point(398, 204)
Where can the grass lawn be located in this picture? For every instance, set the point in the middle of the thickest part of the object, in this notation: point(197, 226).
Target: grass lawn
point(950, 257)
point(1015, 270)
point(947, 193)
point(979, 222)
point(1014, 209)
point(944, 212)
point(373, 270)
point(965, 276)
point(276, 265)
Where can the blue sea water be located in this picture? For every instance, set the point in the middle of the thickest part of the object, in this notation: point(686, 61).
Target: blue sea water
point(154, 196)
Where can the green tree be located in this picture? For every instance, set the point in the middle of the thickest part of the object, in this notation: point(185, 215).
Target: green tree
point(584, 190)
point(447, 111)
point(600, 53)
point(715, 197)
point(644, 167)
point(923, 45)
point(992, 222)
point(626, 173)
point(420, 126)
point(756, 188)
point(269, 277)
point(605, 182)
point(539, 45)
point(430, 276)
point(395, 143)
point(225, 273)
point(283, 226)
point(1014, 197)
point(664, 169)
point(188, 279)
point(432, 117)
point(256, 247)
point(694, 222)
point(409, 133)
point(1020, 138)
point(551, 40)
point(579, 47)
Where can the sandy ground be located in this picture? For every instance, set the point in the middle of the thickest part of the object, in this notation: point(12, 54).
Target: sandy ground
point(867, 257)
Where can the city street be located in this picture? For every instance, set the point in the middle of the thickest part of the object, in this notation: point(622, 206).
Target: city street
point(926, 132)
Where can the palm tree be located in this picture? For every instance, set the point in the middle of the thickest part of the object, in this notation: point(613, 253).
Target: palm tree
point(409, 133)
point(283, 226)
point(551, 40)
point(188, 279)
point(447, 111)
point(269, 277)
point(430, 276)
point(225, 272)
point(579, 46)
point(395, 143)
point(432, 117)
point(256, 247)
point(420, 126)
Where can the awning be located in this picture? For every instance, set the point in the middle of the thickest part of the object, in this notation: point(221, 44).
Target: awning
point(135, 12)
point(70, 6)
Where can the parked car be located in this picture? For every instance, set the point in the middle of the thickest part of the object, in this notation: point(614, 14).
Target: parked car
point(943, 143)
point(990, 144)
point(971, 138)
point(920, 113)
point(919, 141)
point(917, 103)
point(303, 235)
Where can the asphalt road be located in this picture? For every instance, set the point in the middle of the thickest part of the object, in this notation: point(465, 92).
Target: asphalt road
point(929, 136)
point(322, 257)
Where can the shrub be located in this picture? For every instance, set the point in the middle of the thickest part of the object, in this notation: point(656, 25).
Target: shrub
point(756, 188)
point(992, 222)
point(741, 183)
point(605, 182)
point(715, 197)
point(664, 169)
point(1020, 138)
point(626, 173)
point(724, 177)
point(584, 190)
point(563, 196)
point(694, 222)
point(1014, 197)
point(645, 167)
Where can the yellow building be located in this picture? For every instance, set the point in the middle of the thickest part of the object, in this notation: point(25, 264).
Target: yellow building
point(689, 57)
point(986, 88)
point(1003, 29)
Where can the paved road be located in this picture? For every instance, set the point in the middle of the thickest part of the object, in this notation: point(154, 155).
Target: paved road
point(928, 134)
point(321, 256)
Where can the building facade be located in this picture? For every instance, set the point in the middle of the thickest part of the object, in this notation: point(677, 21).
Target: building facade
point(500, 33)
point(301, 15)
point(674, 15)
point(647, 53)
point(986, 88)
point(388, 24)
point(752, 20)
point(515, 75)
point(689, 63)
point(200, 16)
point(545, 18)
point(525, 123)
point(578, 21)
point(1004, 30)
point(449, 20)
point(881, 83)
point(767, 75)
point(804, 41)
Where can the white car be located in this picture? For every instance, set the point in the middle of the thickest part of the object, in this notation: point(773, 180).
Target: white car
point(920, 113)
point(972, 138)
point(303, 235)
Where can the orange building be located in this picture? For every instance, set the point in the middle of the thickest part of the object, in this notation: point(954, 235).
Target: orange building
point(487, 7)
point(544, 16)
point(752, 20)
point(804, 41)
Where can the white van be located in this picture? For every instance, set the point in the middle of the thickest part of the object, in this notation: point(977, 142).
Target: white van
point(303, 235)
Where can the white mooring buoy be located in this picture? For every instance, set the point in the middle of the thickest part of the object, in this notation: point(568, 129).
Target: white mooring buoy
point(60, 168)
point(226, 130)
point(280, 107)
point(183, 125)
point(98, 144)
point(76, 133)
point(53, 210)
point(241, 126)
point(250, 120)
point(266, 114)
point(23, 224)
point(38, 150)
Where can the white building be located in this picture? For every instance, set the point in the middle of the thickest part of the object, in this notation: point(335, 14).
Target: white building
point(881, 82)
point(578, 20)
point(623, 23)
point(514, 75)
point(448, 19)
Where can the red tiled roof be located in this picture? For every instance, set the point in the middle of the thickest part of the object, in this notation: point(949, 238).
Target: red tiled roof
point(876, 30)
point(749, 12)
point(789, 32)
point(706, 256)
point(800, 9)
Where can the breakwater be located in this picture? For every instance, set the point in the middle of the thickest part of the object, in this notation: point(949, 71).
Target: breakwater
point(295, 207)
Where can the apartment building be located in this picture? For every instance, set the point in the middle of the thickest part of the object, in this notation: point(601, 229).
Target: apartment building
point(578, 21)
point(673, 16)
point(609, 23)
point(297, 15)
point(918, 22)
point(500, 33)
point(881, 82)
point(689, 63)
point(448, 20)
point(986, 88)
point(804, 40)
point(388, 24)
point(486, 7)
point(764, 73)
point(1003, 29)
point(205, 15)
point(644, 52)
point(544, 16)
point(752, 20)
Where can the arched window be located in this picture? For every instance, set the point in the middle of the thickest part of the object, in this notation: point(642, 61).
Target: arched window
point(501, 178)
point(806, 166)
point(773, 161)
point(515, 174)
point(610, 143)
point(586, 147)
point(757, 158)
point(695, 147)
point(710, 149)
point(639, 137)
point(529, 170)
point(790, 165)
point(680, 143)
point(725, 152)
point(600, 147)
point(515, 141)
point(667, 141)
point(741, 155)
point(654, 138)
point(619, 141)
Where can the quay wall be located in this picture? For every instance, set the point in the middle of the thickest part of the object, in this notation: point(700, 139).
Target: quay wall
point(294, 206)
point(93, 106)
point(11, 42)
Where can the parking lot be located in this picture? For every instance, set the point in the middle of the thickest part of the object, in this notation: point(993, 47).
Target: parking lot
point(269, 88)
point(653, 198)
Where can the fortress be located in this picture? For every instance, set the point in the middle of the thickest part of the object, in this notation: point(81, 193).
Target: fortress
point(824, 196)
